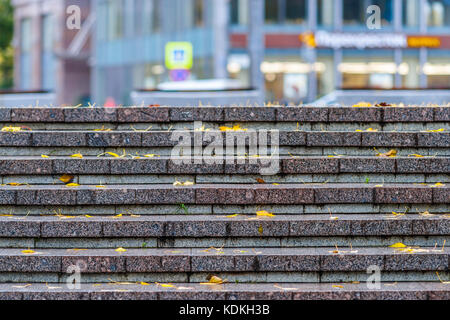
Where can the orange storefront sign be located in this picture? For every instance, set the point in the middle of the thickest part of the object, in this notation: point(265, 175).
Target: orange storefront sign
point(423, 42)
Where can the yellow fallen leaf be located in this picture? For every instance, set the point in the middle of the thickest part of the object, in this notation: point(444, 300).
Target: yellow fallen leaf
point(102, 129)
point(165, 285)
point(260, 230)
point(72, 185)
point(234, 128)
point(264, 213)
point(398, 245)
point(438, 130)
point(416, 155)
point(100, 186)
point(11, 129)
point(145, 283)
point(362, 105)
point(66, 178)
point(151, 155)
point(88, 216)
point(29, 252)
point(437, 185)
point(213, 280)
point(77, 155)
point(390, 154)
point(112, 154)
point(187, 183)
point(44, 156)
point(379, 186)
point(336, 286)
point(232, 216)
point(367, 130)
point(443, 282)
point(15, 184)
point(121, 249)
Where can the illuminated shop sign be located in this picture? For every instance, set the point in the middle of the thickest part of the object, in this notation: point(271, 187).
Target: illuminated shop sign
point(337, 40)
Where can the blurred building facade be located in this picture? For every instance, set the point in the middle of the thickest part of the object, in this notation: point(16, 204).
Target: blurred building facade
point(311, 47)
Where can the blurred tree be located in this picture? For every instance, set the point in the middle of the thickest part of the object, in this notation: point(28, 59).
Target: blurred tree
point(6, 50)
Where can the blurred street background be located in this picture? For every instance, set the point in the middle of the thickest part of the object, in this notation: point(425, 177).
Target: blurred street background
point(278, 51)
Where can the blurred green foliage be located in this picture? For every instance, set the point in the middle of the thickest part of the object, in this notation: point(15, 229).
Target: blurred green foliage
point(6, 50)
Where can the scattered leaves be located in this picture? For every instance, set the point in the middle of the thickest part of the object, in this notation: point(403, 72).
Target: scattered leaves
point(121, 249)
point(77, 155)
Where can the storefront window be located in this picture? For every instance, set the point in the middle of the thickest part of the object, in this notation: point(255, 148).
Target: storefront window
point(286, 79)
point(325, 13)
point(438, 13)
point(411, 78)
point(437, 69)
point(375, 72)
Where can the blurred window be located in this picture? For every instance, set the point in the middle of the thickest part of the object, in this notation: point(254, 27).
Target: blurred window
point(295, 11)
point(325, 13)
point(438, 13)
point(285, 11)
point(411, 13)
point(115, 19)
point(199, 13)
point(271, 8)
point(47, 52)
point(25, 53)
point(239, 12)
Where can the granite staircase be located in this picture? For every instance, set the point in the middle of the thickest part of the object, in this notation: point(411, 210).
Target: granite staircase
point(95, 195)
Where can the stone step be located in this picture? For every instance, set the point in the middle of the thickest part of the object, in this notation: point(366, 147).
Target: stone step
point(150, 260)
point(286, 151)
point(126, 139)
point(215, 126)
point(221, 114)
point(89, 165)
point(227, 291)
point(242, 194)
point(196, 226)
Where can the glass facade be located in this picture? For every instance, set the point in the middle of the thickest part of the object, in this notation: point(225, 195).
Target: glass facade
point(132, 34)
